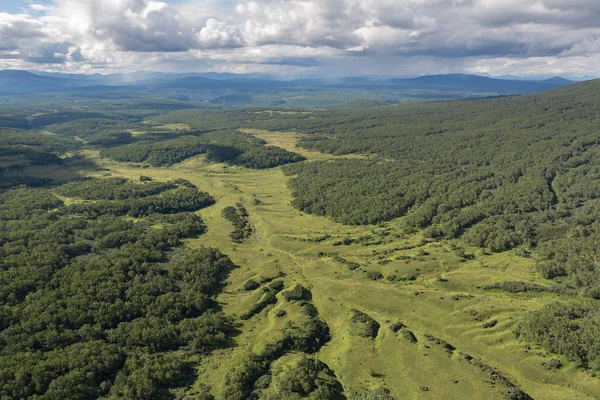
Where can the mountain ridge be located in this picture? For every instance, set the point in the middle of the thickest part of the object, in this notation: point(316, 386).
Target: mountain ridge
point(208, 86)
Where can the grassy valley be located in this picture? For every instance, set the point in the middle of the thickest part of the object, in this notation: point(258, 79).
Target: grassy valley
point(443, 250)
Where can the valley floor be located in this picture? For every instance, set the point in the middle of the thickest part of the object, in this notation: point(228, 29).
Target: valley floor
point(437, 295)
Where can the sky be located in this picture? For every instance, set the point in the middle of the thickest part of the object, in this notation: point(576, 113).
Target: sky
point(303, 38)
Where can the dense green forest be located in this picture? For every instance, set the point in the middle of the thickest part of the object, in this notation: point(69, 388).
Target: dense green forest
point(94, 305)
point(571, 329)
point(20, 149)
point(501, 173)
point(231, 147)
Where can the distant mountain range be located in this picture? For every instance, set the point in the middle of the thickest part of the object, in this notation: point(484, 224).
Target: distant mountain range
point(24, 82)
point(257, 88)
point(483, 84)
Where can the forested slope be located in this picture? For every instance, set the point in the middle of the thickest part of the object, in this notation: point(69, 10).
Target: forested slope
point(502, 173)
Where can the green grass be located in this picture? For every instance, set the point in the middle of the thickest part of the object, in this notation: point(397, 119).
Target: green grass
point(453, 308)
point(288, 140)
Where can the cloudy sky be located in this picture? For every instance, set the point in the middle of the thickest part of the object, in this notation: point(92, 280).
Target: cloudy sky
point(303, 37)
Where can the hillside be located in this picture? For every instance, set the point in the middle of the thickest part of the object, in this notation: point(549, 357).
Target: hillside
point(18, 82)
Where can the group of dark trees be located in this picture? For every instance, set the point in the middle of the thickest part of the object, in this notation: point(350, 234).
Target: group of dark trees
point(94, 305)
point(172, 201)
point(571, 329)
point(112, 189)
point(90, 114)
point(21, 149)
point(213, 120)
point(96, 131)
point(238, 216)
point(231, 147)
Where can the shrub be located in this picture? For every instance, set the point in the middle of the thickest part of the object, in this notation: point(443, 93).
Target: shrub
point(363, 325)
point(251, 284)
point(296, 293)
point(374, 275)
point(408, 335)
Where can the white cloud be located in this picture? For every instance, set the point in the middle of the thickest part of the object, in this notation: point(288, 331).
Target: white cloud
point(301, 22)
point(303, 34)
point(38, 7)
point(16, 28)
point(218, 34)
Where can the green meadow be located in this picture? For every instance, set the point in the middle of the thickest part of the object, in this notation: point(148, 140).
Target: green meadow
point(442, 296)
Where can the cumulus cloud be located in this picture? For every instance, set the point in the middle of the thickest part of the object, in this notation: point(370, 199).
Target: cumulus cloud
point(218, 34)
point(126, 25)
point(300, 22)
point(16, 29)
point(132, 33)
point(23, 37)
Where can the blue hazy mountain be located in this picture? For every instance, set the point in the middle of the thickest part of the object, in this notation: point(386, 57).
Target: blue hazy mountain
point(14, 82)
point(481, 84)
point(254, 89)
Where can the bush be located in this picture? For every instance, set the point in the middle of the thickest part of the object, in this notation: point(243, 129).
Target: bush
point(374, 275)
point(266, 300)
point(297, 293)
point(408, 335)
point(239, 218)
point(363, 325)
point(395, 327)
point(276, 286)
point(490, 324)
point(350, 264)
point(239, 383)
point(309, 377)
point(251, 284)
point(307, 335)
